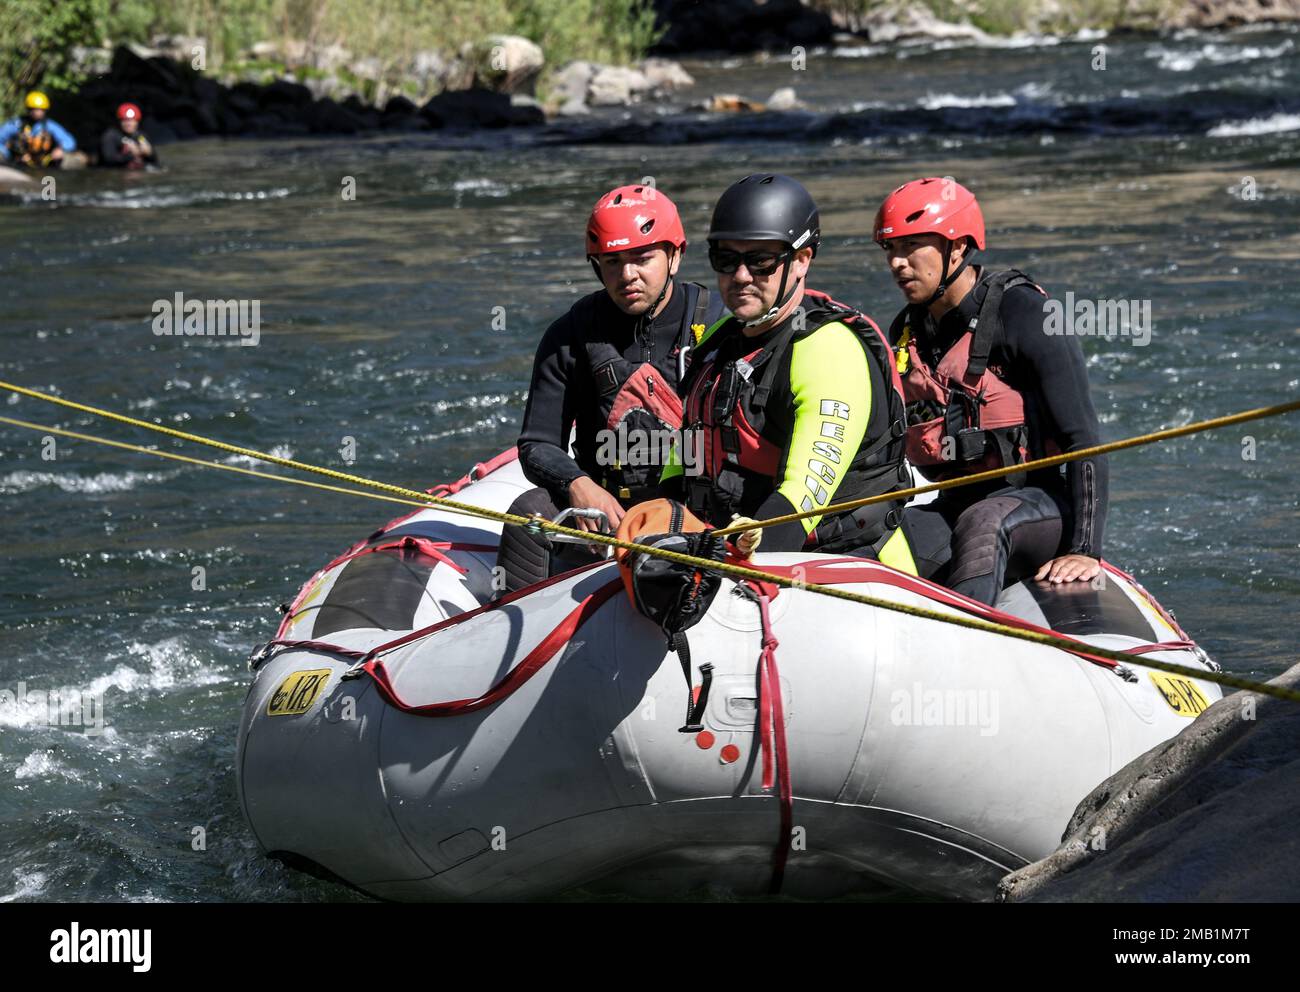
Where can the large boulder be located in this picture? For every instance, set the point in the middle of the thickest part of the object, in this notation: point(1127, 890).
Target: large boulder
point(665, 75)
point(614, 85)
point(739, 26)
point(508, 64)
point(571, 83)
point(477, 108)
point(284, 93)
point(899, 20)
point(327, 117)
point(1209, 816)
point(133, 65)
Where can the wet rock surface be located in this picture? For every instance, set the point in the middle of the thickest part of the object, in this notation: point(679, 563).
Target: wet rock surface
point(1209, 816)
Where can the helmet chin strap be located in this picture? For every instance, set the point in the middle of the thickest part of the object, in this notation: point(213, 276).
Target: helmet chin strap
point(668, 281)
point(950, 277)
point(782, 297)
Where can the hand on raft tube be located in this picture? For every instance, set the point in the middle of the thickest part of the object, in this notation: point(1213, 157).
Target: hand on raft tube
point(1069, 568)
point(747, 541)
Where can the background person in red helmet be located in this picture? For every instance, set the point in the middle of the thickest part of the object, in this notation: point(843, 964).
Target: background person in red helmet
point(124, 145)
point(608, 371)
point(986, 386)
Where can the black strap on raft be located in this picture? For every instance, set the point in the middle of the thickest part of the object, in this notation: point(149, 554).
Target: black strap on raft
point(695, 706)
point(677, 596)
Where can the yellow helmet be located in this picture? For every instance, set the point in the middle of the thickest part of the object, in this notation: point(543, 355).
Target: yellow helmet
point(36, 100)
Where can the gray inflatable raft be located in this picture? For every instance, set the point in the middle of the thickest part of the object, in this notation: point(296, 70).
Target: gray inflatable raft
point(410, 736)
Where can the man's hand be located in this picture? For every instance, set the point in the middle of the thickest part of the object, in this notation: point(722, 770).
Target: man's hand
point(747, 541)
point(1069, 568)
point(145, 147)
point(57, 154)
point(586, 495)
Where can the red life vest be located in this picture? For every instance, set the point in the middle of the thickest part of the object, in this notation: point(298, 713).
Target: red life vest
point(726, 412)
point(640, 405)
point(963, 417)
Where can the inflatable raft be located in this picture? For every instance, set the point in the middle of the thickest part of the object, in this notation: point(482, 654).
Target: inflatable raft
point(411, 735)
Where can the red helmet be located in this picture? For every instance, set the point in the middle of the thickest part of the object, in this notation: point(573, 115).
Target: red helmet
point(930, 206)
point(128, 112)
point(633, 217)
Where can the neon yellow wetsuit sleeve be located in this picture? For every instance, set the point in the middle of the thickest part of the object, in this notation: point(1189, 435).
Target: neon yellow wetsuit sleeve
point(831, 385)
point(673, 467)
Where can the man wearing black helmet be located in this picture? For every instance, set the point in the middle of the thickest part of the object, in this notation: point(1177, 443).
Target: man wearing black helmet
point(791, 403)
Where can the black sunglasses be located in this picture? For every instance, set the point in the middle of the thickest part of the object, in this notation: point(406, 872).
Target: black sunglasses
point(759, 263)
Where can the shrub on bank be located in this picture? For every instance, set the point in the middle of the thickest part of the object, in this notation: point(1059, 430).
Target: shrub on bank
point(43, 43)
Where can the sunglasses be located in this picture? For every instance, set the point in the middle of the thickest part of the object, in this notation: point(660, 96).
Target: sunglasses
point(759, 263)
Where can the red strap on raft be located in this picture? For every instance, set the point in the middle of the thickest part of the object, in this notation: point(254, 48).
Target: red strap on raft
point(520, 674)
point(479, 471)
point(473, 475)
point(771, 731)
point(427, 547)
point(827, 573)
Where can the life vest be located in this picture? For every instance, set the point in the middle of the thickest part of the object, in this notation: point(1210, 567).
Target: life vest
point(726, 412)
point(963, 417)
point(32, 147)
point(639, 404)
point(134, 140)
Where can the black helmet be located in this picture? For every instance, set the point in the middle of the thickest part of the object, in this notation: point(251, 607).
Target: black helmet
point(767, 207)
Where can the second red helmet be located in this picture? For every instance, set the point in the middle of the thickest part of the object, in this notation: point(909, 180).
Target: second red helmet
point(930, 206)
point(633, 217)
point(128, 112)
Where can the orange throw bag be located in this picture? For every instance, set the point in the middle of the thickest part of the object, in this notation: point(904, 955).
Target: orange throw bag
point(675, 595)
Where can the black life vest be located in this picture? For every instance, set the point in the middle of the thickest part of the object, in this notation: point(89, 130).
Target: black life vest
point(962, 415)
point(726, 410)
point(640, 406)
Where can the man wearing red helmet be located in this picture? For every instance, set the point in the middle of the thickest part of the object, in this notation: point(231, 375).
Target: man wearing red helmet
point(986, 386)
point(124, 144)
point(608, 372)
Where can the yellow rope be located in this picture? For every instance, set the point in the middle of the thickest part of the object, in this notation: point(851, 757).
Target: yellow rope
point(1048, 462)
point(734, 571)
point(140, 449)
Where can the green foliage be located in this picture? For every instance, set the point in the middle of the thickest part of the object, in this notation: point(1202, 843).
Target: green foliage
point(36, 43)
point(37, 37)
point(612, 31)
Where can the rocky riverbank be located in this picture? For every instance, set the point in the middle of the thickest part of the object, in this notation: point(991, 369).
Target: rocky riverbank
point(1206, 817)
point(292, 88)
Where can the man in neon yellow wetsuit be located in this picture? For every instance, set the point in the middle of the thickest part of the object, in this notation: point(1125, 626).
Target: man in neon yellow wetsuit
point(791, 403)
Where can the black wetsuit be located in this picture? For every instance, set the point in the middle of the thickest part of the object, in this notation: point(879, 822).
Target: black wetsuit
point(563, 396)
point(977, 539)
point(112, 154)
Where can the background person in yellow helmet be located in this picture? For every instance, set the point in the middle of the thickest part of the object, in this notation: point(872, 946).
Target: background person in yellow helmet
point(32, 139)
